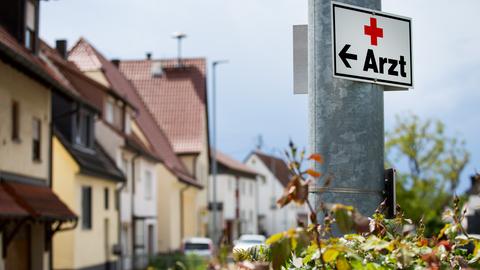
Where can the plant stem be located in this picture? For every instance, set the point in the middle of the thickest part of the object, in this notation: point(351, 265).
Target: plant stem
point(317, 233)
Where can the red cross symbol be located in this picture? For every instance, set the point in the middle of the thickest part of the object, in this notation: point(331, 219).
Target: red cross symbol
point(373, 31)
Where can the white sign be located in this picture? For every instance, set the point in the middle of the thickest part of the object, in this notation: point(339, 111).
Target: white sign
point(371, 46)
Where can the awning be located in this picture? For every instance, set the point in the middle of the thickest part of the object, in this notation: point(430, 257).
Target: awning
point(38, 202)
point(8, 207)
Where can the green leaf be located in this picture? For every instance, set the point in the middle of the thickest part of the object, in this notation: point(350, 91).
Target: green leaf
point(281, 252)
point(330, 255)
point(274, 238)
point(342, 264)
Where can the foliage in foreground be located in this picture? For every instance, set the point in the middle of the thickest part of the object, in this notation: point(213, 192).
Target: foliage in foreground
point(434, 162)
point(368, 243)
point(177, 261)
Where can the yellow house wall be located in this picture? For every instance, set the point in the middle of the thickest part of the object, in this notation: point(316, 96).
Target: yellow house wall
point(201, 201)
point(87, 254)
point(189, 162)
point(98, 76)
point(191, 213)
point(197, 165)
point(34, 101)
point(80, 247)
point(63, 179)
point(168, 208)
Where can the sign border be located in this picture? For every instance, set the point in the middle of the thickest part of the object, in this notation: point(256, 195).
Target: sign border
point(361, 78)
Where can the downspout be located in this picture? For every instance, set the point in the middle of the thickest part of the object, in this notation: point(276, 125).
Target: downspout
point(119, 219)
point(132, 204)
point(182, 232)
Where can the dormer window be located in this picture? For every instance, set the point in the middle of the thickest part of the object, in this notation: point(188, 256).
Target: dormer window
point(114, 113)
point(128, 123)
point(30, 19)
point(84, 132)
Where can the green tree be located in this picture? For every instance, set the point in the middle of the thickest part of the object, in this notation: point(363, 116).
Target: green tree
point(429, 164)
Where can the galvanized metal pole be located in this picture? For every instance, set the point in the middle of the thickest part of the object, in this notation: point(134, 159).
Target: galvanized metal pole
point(346, 121)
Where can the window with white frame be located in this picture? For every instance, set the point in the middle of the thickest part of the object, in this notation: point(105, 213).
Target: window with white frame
point(126, 172)
point(109, 111)
point(128, 123)
point(230, 184)
point(148, 185)
point(30, 18)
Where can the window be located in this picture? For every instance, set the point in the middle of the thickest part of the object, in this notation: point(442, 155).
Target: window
point(148, 185)
point(106, 197)
point(114, 113)
point(128, 123)
point(230, 184)
point(84, 133)
point(15, 121)
point(29, 39)
point(124, 167)
point(30, 25)
point(109, 111)
point(36, 139)
point(251, 188)
point(139, 233)
point(86, 207)
point(87, 130)
point(117, 116)
point(242, 187)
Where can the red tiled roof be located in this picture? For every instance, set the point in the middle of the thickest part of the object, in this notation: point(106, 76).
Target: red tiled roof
point(176, 99)
point(32, 64)
point(39, 201)
point(277, 166)
point(87, 58)
point(233, 164)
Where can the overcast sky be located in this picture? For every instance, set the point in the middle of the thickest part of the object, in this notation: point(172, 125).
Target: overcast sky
point(255, 88)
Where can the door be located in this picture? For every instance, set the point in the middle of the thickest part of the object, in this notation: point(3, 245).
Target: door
point(18, 251)
point(151, 239)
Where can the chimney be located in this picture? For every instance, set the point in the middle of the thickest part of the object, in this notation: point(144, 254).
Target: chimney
point(61, 47)
point(149, 56)
point(116, 62)
point(475, 189)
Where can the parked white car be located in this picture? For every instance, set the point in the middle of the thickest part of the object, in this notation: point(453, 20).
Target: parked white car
point(247, 241)
point(200, 246)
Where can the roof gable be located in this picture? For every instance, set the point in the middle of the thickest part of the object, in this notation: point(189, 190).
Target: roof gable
point(234, 165)
point(276, 166)
point(177, 99)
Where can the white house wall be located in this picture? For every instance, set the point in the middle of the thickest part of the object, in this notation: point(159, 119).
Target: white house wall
point(248, 205)
point(269, 190)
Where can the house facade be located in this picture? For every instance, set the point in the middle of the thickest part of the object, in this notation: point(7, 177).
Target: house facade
point(159, 210)
point(83, 175)
point(237, 198)
point(124, 143)
point(271, 218)
point(30, 212)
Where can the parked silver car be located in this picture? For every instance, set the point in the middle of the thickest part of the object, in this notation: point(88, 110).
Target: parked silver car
point(247, 241)
point(200, 246)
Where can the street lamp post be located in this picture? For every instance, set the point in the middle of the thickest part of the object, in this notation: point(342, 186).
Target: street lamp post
point(214, 150)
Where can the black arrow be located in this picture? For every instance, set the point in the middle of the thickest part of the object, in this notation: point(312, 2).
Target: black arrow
point(344, 55)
